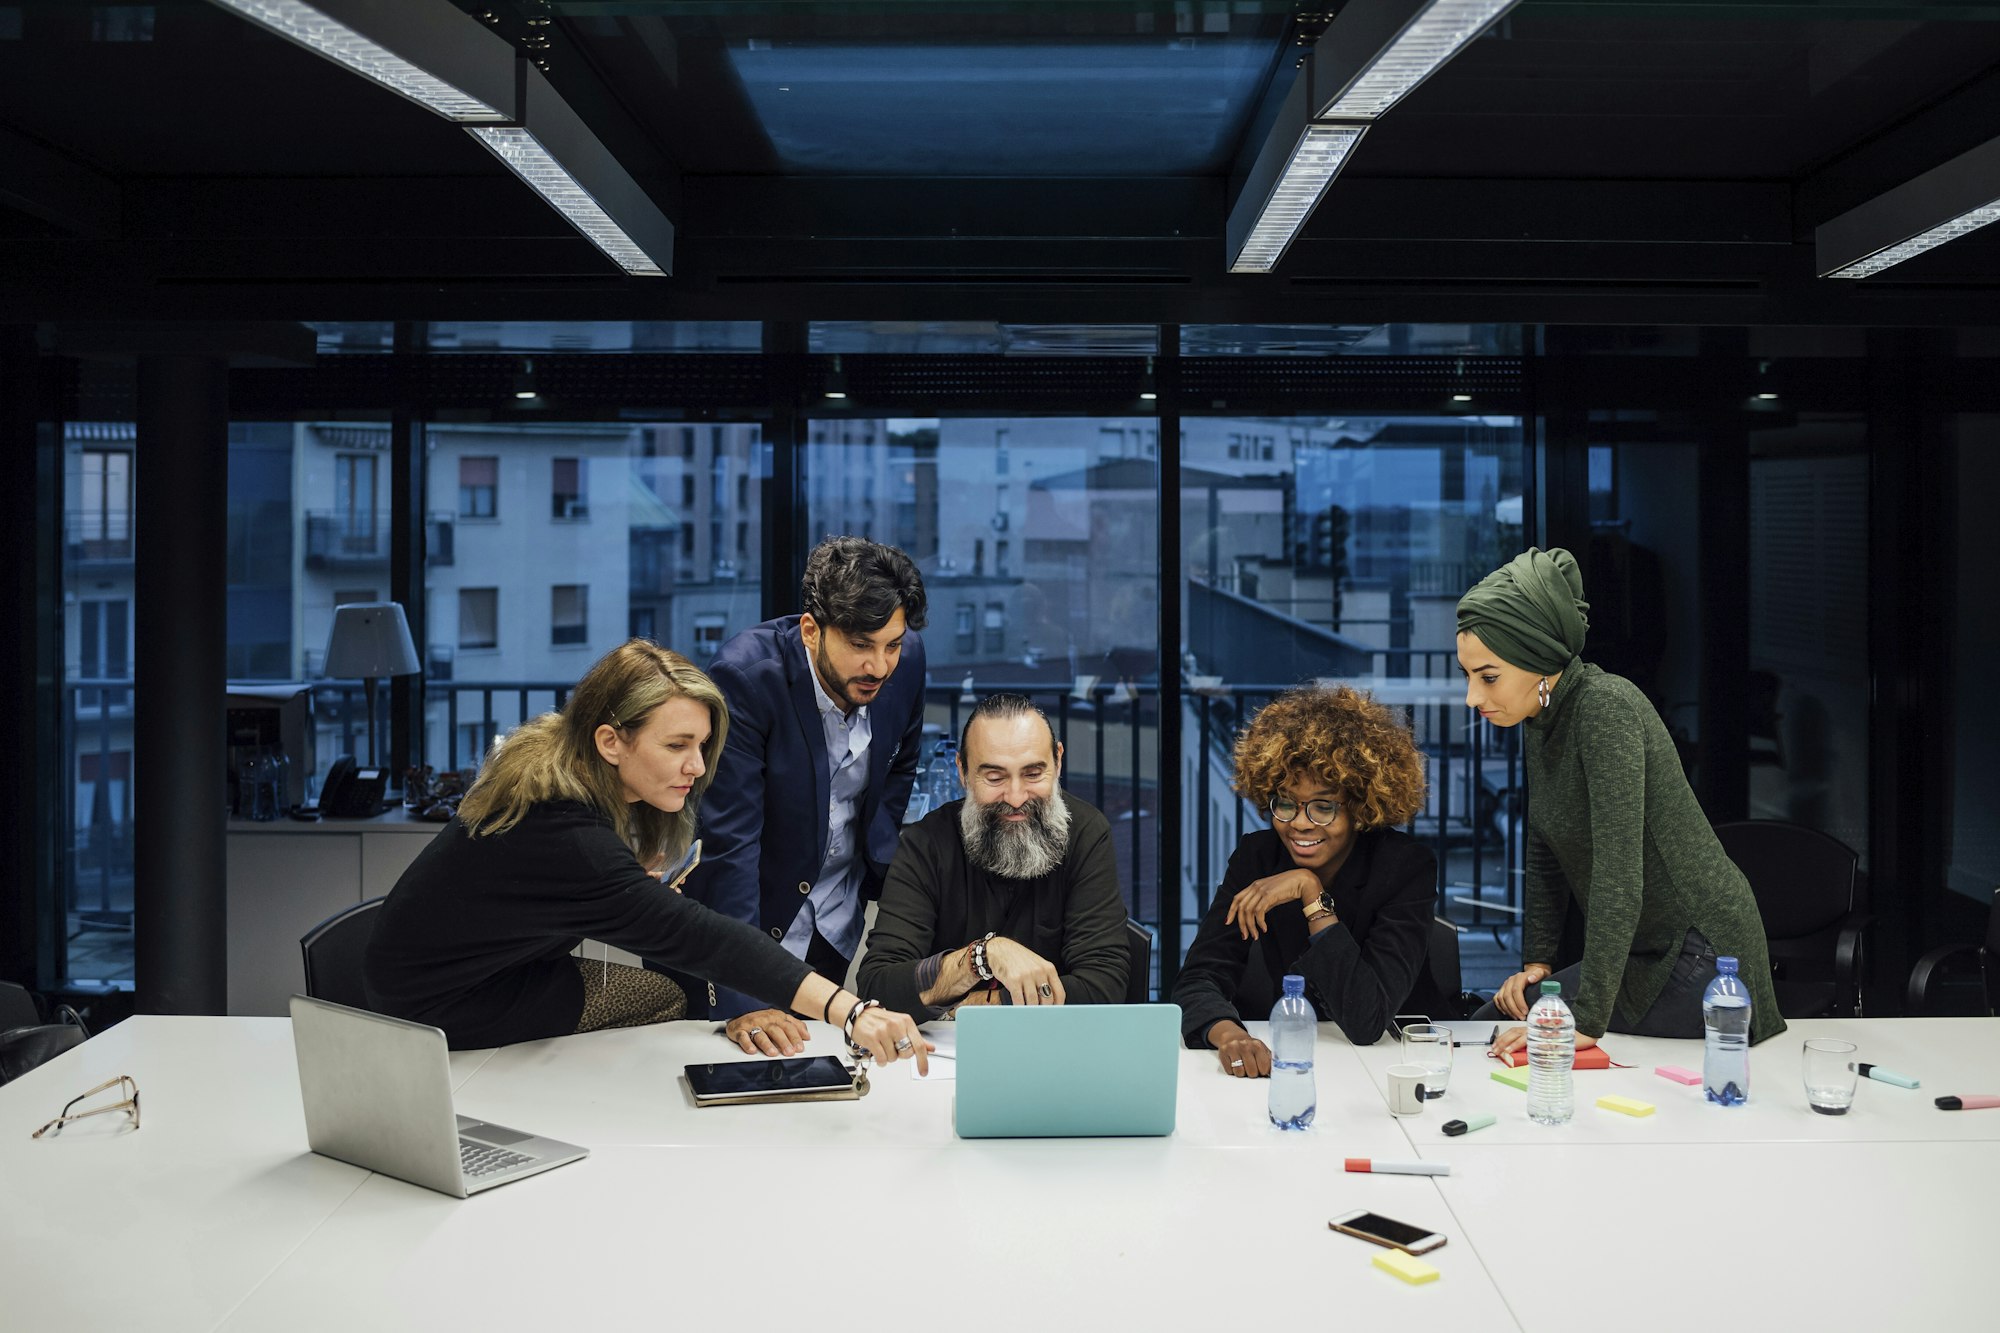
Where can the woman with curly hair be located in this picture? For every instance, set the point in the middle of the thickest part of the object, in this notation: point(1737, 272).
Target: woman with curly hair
point(1332, 891)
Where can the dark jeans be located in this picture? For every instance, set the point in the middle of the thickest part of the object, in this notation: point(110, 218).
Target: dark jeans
point(1677, 1011)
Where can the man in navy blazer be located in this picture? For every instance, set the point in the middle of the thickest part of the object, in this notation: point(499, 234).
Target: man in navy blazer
point(826, 716)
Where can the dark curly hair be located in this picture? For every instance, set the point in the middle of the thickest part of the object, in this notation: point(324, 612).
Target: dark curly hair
point(1340, 737)
point(856, 585)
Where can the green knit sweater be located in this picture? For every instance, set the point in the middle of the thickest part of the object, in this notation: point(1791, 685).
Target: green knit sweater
point(1612, 821)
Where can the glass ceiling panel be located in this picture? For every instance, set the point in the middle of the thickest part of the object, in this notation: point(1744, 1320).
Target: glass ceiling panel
point(1159, 106)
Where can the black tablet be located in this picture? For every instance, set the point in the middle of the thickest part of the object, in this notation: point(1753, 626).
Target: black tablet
point(737, 1080)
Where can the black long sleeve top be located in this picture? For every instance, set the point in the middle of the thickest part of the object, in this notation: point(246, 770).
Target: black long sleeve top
point(934, 899)
point(476, 935)
point(1358, 971)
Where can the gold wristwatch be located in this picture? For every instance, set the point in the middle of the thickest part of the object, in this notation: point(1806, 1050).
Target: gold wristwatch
point(1318, 908)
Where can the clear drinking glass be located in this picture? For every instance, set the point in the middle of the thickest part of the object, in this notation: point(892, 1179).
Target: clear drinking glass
point(1830, 1075)
point(1429, 1045)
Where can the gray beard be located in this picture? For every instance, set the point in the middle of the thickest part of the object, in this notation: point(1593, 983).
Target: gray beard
point(1028, 850)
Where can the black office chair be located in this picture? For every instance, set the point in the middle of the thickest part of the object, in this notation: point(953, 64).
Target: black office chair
point(18, 1008)
point(1809, 891)
point(333, 951)
point(1447, 977)
point(1139, 982)
point(1930, 970)
point(27, 1048)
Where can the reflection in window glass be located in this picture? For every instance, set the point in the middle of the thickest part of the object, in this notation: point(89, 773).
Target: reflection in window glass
point(1041, 561)
point(1337, 548)
point(973, 337)
point(597, 336)
point(97, 577)
point(1351, 340)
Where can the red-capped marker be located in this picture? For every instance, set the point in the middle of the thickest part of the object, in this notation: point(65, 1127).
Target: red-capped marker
point(1370, 1166)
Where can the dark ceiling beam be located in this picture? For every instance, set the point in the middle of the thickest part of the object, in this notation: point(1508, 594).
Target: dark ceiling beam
point(46, 185)
point(1956, 122)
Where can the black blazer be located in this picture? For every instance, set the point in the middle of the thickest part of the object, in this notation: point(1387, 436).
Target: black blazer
point(763, 818)
point(1371, 964)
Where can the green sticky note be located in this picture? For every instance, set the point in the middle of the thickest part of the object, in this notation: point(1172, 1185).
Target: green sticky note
point(1513, 1078)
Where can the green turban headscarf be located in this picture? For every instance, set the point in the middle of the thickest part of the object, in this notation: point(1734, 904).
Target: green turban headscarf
point(1530, 611)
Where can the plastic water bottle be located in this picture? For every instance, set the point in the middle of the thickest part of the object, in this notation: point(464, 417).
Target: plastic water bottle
point(1294, 1029)
point(938, 775)
point(1725, 1018)
point(1551, 1058)
point(954, 786)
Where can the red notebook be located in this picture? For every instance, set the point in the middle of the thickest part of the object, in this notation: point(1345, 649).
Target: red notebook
point(1590, 1057)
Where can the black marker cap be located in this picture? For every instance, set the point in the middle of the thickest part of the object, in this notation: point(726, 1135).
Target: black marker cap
point(1950, 1104)
point(1454, 1127)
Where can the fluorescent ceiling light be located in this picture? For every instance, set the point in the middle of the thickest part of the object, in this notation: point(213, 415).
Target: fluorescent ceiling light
point(1889, 256)
point(1314, 162)
point(328, 36)
point(1433, 35)
point(526, 158)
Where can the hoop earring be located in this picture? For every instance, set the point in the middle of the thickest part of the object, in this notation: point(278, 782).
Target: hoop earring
point(1542, 691)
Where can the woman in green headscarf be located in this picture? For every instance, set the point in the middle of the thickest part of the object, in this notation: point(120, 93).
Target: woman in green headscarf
point(1612, 823)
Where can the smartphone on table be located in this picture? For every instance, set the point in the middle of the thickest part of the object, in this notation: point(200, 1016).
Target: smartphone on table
point(1386, 1231)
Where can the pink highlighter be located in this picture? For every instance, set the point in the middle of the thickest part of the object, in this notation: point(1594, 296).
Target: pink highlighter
point(1979, 1102)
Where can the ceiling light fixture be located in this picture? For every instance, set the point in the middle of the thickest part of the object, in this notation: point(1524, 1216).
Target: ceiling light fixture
point(1892, 255)
point(1311, 166)
point(524, 383)
point(424, 50)
point(527, 158)
point(1952, 200)
point(1149, 389)
point(1377, 51)
point(836, 381)
point(433, 53)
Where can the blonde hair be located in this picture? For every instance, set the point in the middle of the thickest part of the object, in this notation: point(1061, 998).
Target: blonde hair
point(554, 757)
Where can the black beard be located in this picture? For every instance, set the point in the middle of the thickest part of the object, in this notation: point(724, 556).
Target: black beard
point(1028, 850)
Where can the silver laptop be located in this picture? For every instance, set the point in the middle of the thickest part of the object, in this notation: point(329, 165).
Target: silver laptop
point(377, 1093)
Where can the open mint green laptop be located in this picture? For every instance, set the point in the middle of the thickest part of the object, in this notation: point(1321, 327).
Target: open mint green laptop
point(1067, 1071)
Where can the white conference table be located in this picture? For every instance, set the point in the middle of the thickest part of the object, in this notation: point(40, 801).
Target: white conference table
point(873, 1215)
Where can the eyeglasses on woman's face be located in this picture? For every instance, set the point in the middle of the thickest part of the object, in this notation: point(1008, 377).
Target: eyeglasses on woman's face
point(1284, 810)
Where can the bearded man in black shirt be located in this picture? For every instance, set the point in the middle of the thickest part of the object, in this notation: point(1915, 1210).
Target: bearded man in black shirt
point(1008, 896)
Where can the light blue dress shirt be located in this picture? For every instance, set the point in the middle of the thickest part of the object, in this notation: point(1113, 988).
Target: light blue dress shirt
point(833, 908)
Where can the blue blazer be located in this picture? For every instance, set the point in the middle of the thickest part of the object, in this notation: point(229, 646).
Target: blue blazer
point(764, 817)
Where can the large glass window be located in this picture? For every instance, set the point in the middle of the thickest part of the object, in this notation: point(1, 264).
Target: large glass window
point(533, 593)
point(1335, 549)
point(96, 723)
point(1039, 543)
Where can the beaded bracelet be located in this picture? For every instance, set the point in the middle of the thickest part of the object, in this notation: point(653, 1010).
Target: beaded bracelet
point(847, 1028)
point(979, 967)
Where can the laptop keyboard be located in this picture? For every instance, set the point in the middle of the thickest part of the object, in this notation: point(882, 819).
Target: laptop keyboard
point(477, 1159)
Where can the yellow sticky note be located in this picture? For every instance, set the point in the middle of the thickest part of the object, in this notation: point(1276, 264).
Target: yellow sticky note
point(1406, 1266)
point(1626, 1105)
point(1513, 1078)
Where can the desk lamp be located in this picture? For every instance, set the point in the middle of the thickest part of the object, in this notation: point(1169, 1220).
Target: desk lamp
point(370, 640)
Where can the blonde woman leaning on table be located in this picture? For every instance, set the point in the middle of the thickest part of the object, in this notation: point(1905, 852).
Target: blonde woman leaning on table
point(551, 846)
point(1331, 891)
point(1612, 823)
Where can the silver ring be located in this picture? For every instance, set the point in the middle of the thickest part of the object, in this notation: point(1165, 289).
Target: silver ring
point(1236, 1064)
point(756, 1032)
point(903, 1045)
point(1044, 991)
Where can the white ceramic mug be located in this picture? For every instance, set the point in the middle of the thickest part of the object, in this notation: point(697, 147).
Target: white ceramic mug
point(1406, 1089)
